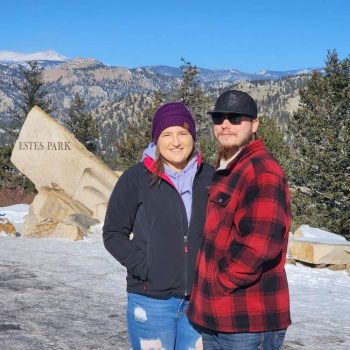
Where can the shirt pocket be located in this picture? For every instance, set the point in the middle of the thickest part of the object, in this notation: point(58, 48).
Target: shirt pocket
point(222, 199)
point(218, 210)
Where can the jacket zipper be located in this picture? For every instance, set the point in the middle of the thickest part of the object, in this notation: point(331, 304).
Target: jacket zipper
point(186, 255)
point(185, 235)
point(186, 232)
point(195, 180)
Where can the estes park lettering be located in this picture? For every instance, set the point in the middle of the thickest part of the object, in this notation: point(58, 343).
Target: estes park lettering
point(44, 146)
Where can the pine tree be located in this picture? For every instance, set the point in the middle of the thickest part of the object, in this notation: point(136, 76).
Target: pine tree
point(31, 93)
point(10, 177)
point(193, 95)
point(138, 133)
point(274, 139)
point(137, 136)
point(321, 138)
point(82, 124)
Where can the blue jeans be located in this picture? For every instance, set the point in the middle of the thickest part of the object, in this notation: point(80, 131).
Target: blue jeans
point(160, 324)
point(271, 340)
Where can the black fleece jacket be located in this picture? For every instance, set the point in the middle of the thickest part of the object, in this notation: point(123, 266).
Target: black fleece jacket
point(160, 258)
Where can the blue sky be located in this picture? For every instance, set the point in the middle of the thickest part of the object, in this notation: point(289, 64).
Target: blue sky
point(245, 35)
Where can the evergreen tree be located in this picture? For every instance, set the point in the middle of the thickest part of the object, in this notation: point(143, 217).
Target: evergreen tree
point(321, 138)
point(10, 177)
point(193, 95)
point(274, 139)
point(137, 136)
point(138, 133)
point(31, 93)
point(82, 124)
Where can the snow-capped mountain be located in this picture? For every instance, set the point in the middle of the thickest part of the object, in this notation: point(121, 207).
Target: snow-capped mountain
point(116, 95)
point(270, 74)
point(229, 75)
point(50, 55)
point(50, 59)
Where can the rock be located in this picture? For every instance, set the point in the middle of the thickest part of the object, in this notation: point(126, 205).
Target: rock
point(336, 267)
point(7, 227)
point(315, 234)
point(73, 184)
point(55, 214)
point(291, 261)
point(319, 247)
point(81, 220)
point(49, 155)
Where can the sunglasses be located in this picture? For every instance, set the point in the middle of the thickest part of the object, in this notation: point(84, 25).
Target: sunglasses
point(234, 119)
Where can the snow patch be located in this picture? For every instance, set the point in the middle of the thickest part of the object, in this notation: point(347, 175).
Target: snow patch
point(312, 234)
point(50, 55)
point(15, 213)
point(68, 295)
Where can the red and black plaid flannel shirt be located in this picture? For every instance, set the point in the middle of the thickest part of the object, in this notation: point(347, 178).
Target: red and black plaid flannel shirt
point(240, 283)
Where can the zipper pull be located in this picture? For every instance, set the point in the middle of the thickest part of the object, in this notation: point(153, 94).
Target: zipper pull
point(185, 241)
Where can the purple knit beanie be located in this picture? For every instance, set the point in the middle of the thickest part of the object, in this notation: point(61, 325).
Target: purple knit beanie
point(172, 114)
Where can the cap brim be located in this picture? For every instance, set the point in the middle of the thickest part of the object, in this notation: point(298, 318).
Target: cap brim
point(231, 112)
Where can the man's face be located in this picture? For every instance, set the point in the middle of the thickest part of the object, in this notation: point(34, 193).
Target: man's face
point(236, 135)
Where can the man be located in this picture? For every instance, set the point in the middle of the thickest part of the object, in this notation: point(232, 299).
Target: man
point(240, 295)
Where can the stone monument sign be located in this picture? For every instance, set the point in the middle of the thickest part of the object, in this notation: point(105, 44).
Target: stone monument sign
point(54, 160)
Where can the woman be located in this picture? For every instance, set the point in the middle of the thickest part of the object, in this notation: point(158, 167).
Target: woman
point(162, 202)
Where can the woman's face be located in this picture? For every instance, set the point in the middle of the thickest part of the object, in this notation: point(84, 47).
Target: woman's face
point(175, 144)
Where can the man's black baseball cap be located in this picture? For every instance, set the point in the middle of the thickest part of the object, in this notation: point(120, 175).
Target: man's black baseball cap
point(238, 102)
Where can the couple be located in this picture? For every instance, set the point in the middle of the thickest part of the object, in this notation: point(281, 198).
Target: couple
point(206, 258)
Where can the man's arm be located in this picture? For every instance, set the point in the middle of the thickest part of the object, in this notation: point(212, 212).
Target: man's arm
point(260, 222)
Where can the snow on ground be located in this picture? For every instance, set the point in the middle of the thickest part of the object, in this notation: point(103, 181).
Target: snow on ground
point(15, 213)
point(312, 234)
point(59, 294)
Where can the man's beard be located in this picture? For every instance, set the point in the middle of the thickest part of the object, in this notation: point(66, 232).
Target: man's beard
point(226, 152)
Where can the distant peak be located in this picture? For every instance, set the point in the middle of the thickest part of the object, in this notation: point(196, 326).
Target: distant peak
point(50, 55)
point(80, 62)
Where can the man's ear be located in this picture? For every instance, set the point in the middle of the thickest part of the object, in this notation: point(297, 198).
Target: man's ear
point(255, 125)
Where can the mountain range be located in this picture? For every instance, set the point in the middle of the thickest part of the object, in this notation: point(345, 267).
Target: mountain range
point(231, 75)
point(116, 95)
point(52, 58)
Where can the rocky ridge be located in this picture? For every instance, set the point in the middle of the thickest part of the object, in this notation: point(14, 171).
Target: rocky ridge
point(116, 95)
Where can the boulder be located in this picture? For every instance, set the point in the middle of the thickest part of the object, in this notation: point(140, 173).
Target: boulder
point(48, 154)
point(7, 227)
point(319, 247)
point(73, 184)
point(55, 214)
